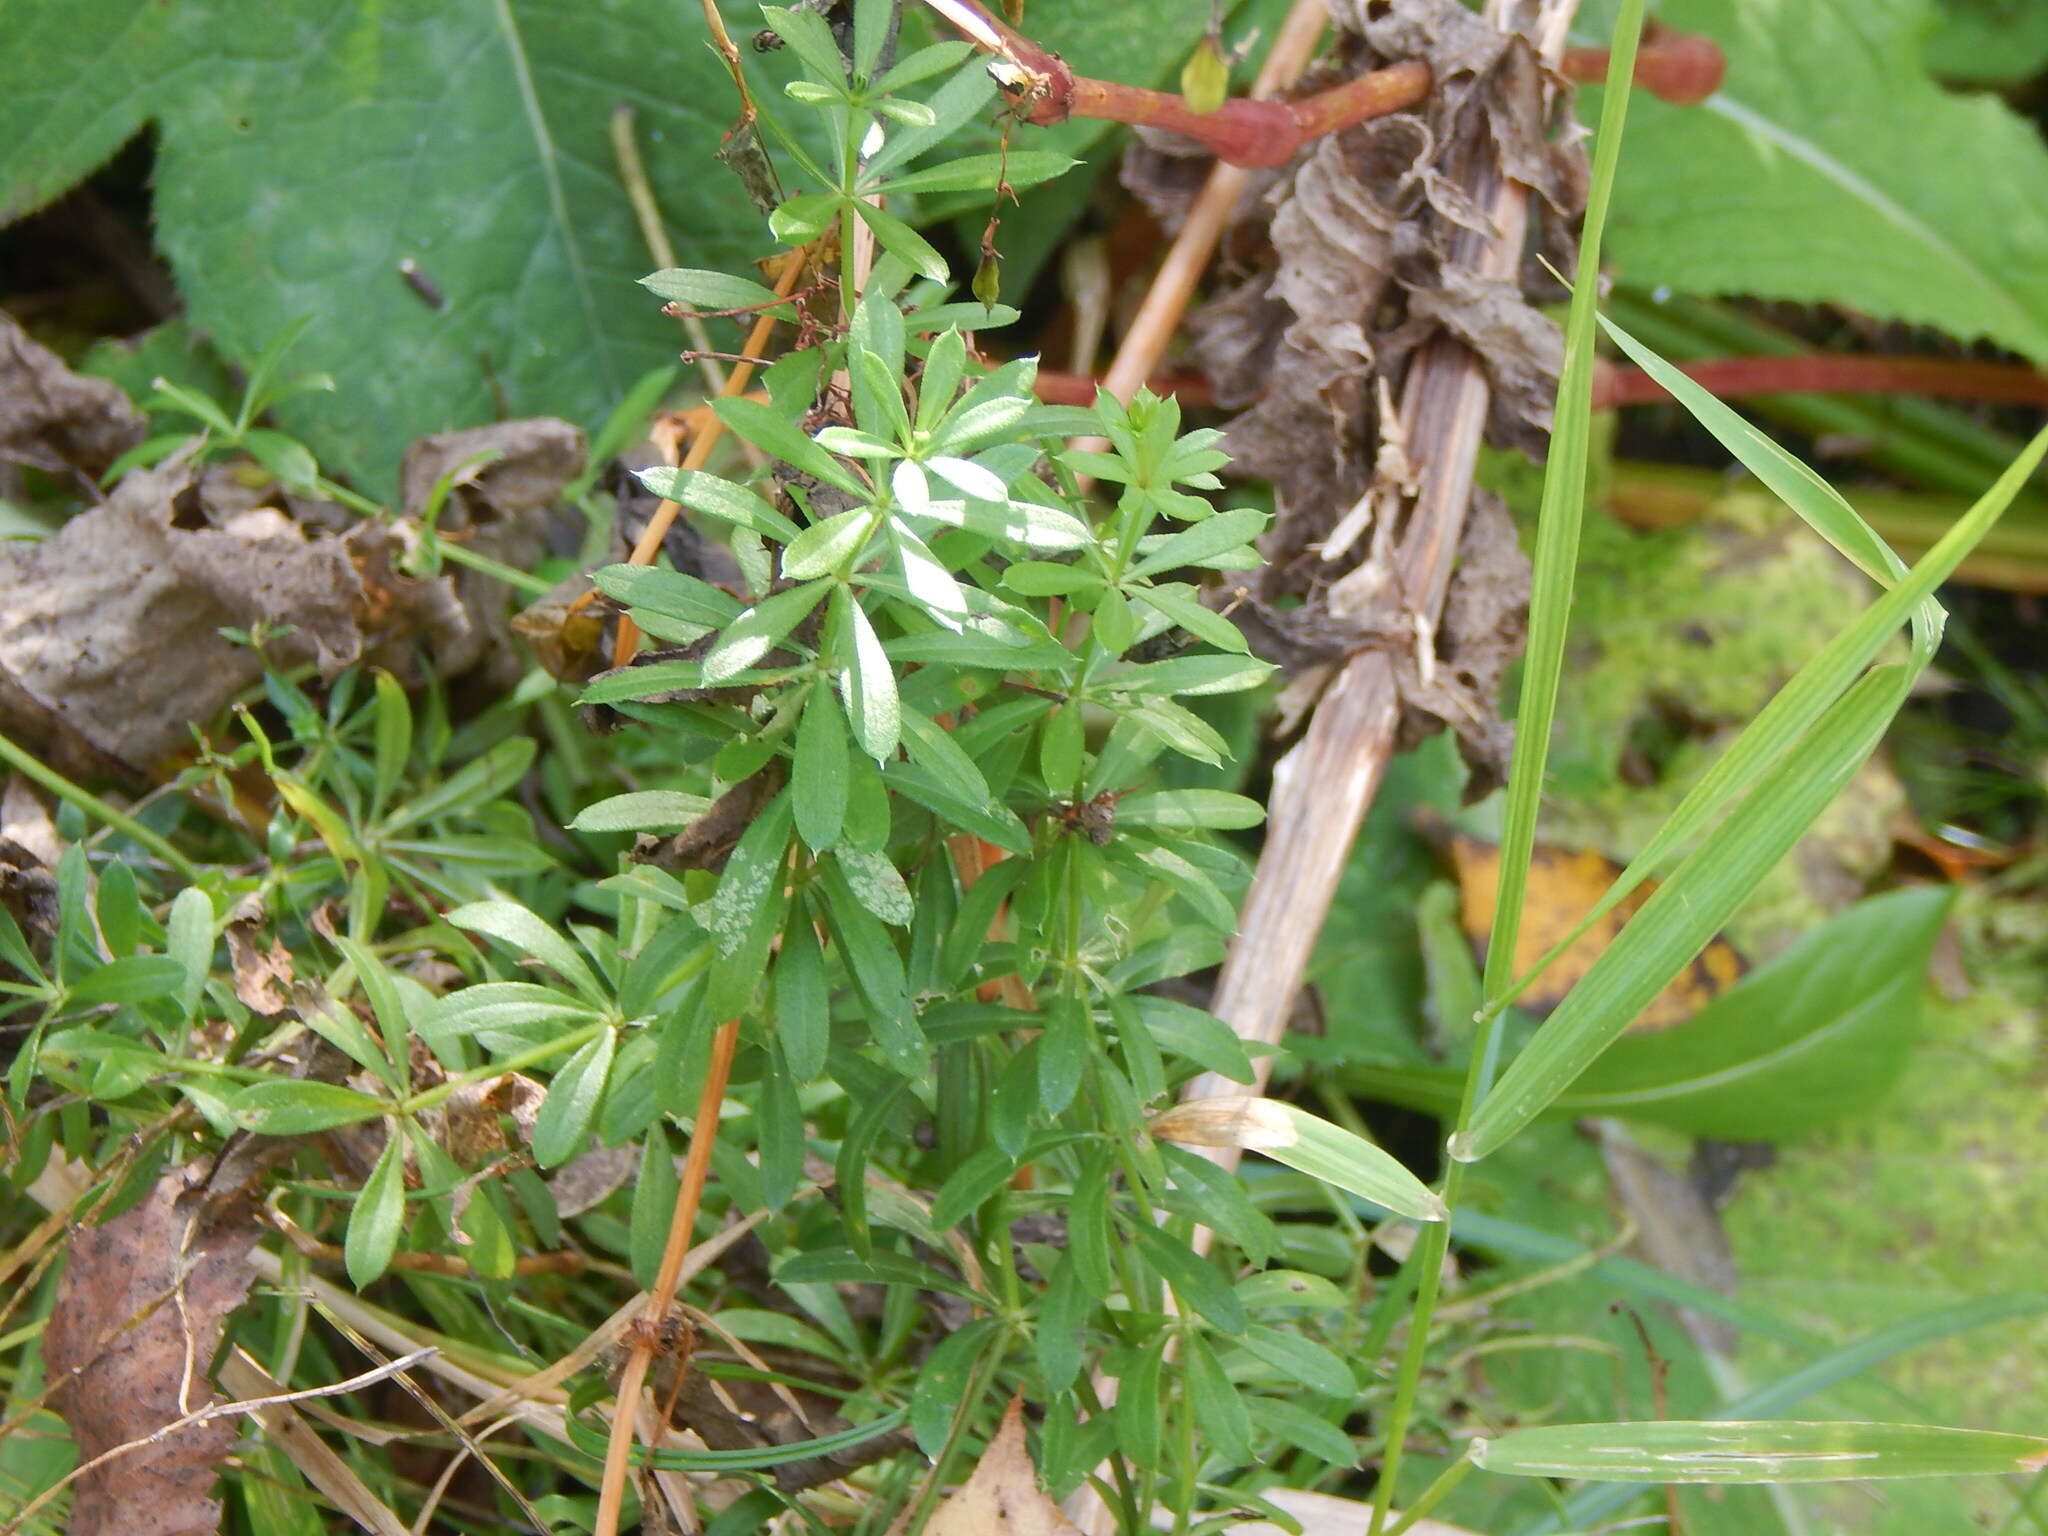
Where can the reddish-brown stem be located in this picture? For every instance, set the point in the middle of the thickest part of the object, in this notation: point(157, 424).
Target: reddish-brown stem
point(661, 1295)
point(1821, 374)
point(1243, 131)
point(1678, 66)
point(1681, 67)
point(1727, 378)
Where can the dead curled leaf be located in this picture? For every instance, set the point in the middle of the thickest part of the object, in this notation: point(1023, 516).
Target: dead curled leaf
point(1352, 262)
point(57, 420)
point(129, 1343)
point(110, 640)
point(1002, 1497)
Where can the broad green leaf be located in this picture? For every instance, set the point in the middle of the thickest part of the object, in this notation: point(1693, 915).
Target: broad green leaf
point(1777, 188)
point(1297, 1426)
point(1206, 540)
point(842, 1265)
point(1840, 1009)
point(1756, 1451)
point(1195, 675)
point(1063, 1051)
point(474, 784)
point(768, 429)
point(529, 935)
point(824, 547)
point(1021, 168)
point(377, 1220)
point(1199, 1036)
point(1303, 1360)
point(780, 1138)
point(393, 738)
point(470, 141)
point(501, 1007)
point(574, 1094)
point(803, 1022)
point(1291, 1135)
point(293, 1108)
point(1677, 921)
point(641, 810)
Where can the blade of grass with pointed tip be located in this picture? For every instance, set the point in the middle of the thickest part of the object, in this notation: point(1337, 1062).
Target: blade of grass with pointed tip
point(1756, 1451)
point(1688, 909)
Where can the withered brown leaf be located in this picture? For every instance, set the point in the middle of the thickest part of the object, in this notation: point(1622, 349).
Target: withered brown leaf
point(128, 1347)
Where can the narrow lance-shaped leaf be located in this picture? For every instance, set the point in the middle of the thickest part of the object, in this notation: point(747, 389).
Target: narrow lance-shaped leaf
point(1293, 1136)
point(1756, 1451)
point(1687, 911)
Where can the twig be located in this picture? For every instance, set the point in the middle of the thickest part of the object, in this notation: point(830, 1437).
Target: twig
point(217, 1411)
point(640, 193)
point(661, 1295)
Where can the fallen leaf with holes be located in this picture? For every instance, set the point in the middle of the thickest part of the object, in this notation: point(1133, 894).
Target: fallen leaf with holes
point(54, 419)
point(1002, 1498)
point(128, 1346)
point(1565, 884)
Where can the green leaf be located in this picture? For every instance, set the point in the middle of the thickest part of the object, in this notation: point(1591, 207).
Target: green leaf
point(1059, 1338)
point(869, 685)
point(527, 934)
point(768, 429)
point(754, 633)
point(493, 120)
point(1297, 1426)
point(825, 547)
point(712, 496)
point(1757, 1451)
point(752, 872)
point(1841, 1007)
point(473, 785)
point(1685, 912)
point(903, 242)
point(780, 1138)
point(1291, 1135)
point(1208, 539)
point(701, 289)
point(1218, 1409)
point(1061, 748)
point(803, 1021)
point(1303, 1360)
point(393, 738)
point(574, 1094)
point(1195, 675)
point(1846, 195)
point(641, 810)
point(189, 941)
point(843, 1265)
point(1138, 1417)
point(501, 1007)
point(672, 593)
point(130, 979)
point(1189, 809)
point(942, 1381)
point(378, 1218)
point(1198, 1284)
point(818, 773)
point(1063, 1051)
point(293, 1108)
point(1021, 168)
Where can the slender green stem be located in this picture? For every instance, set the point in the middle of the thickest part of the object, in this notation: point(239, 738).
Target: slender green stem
point(524, 581)
point(95, 807)
point(1433, 1495)
point(977, 1384)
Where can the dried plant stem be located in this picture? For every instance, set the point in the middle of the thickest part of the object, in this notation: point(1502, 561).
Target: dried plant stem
point(701, 445)
point(647, 213)
point(662, 1294)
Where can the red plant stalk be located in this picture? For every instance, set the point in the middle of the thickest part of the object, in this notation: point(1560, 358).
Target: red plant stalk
point(1681, 68)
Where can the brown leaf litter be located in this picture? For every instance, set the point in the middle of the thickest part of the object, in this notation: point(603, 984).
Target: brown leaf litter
point(111, 649)
point(1348, 262)
point(128, 1347)
point(56, 420)
point(1002, 1497)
